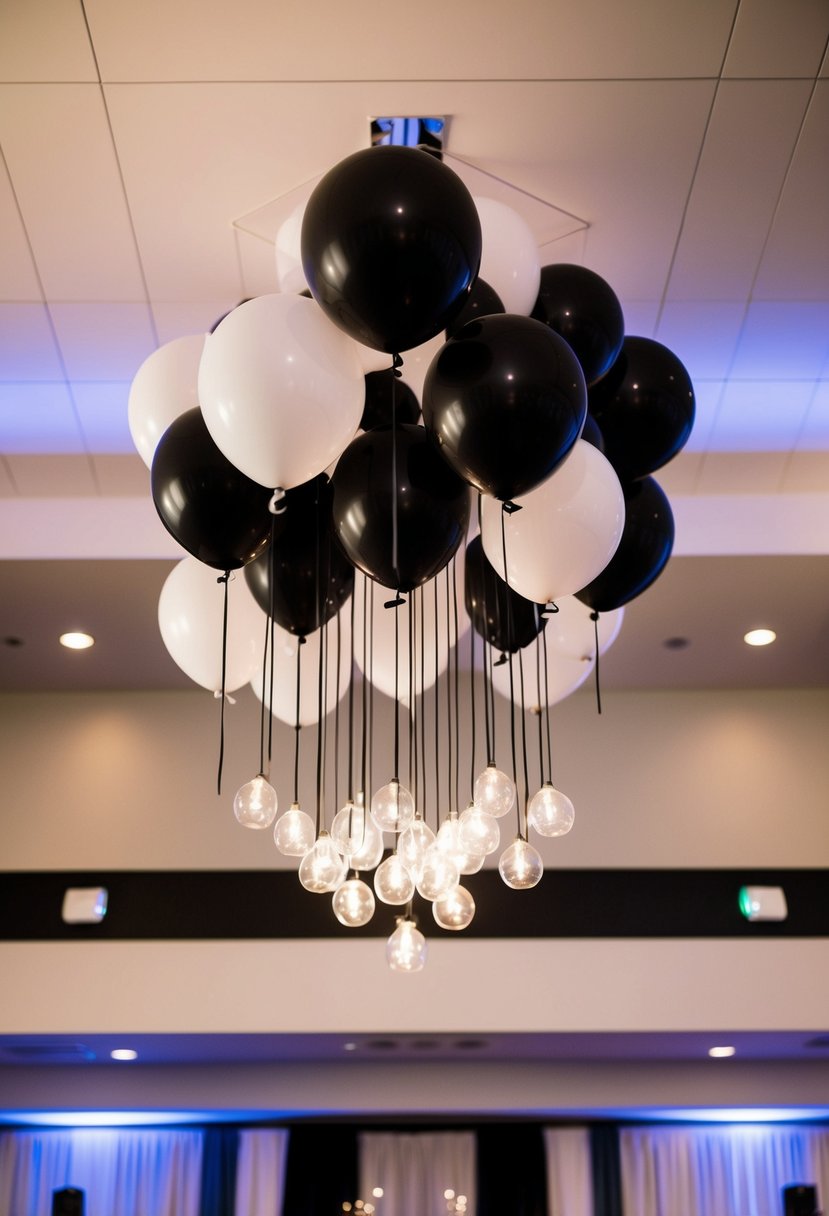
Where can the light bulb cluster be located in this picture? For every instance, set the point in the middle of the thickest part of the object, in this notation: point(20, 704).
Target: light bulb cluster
point(423, 862)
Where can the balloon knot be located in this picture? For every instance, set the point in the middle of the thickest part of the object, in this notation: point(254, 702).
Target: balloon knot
point(511, 507)
point(500, 662)
point(396, 602)
point(217, 696)
point(277, 504)
point(594, 616)
point(549, 608)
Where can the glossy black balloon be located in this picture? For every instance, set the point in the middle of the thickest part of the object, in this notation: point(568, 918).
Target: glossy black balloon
point(502, 617)
point(312, 578)
point(506, 400)
point(647, 540)
point(482, 301)
point(644, 407)
point(432, 506)
point(391, 244)
point(592, 433)
point(213, 511)
point(580, 306)
point(377, 410)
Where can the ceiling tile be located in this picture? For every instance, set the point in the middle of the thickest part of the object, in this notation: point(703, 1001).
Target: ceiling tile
point(741, 472)
point(53, 476)
point(257, 40)
point(806, 473)
point(707, 395)
point(59, 153)
point(753, 128)
point(814, 435)
point(795, 263)
point(640, 317)
point(768, 42)
point(121, 476)
point(102, 410)
point(103, 341)
point(19, 275)
point(38, 418)
point(703, 334)
point(45, 41)
point(760, 416)
point(788, 341)
point(182, 318)
point(27, 344)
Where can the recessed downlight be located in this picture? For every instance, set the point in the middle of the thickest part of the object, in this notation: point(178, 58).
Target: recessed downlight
point(759, 637)
point(123, 1053)
point(77, 641)
point(721, 1053)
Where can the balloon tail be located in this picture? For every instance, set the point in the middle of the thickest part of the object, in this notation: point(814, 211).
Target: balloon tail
point(594, 616)
point(277, 504)
point(225, 578)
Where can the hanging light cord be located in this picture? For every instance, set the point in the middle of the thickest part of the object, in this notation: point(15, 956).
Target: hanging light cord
point(511, 685)
point(224, 578)
point(449, 715)
point(454, 652)
point(437, 714)
point(547, 709)
point(297, 723)
point(472, 773)
point(265, 698)
point(540, 702)
point(524, 739)
point(337, 720)
point(351, 705)
point(594, 616)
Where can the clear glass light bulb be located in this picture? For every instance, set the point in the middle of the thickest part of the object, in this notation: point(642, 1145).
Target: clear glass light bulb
point(468, 859)
point(392, 807)
point(406, 948)
point(550, 812)
point(520, 865)
point(494, 792)
point(294, 832)
point(412, 845)
point(479, 830)
point(438, 873)
point(393, 883)
point(322, 868)
point(348, 828)
point(454, 909)
point(353, 903)
point(255, 803)
point(371, 854)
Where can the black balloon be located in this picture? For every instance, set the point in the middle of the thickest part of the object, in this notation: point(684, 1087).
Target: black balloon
point(377, 410)
point(432, 506)
point(311, 576)
point(506, 620)
point(644, 407)
point(506, 400)
point(592, 433)
point(212, 510)
point(647, 540)
point(391, 244)
point(578, 304)
point(482, 301)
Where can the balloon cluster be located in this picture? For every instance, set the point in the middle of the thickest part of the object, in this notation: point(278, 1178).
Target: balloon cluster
point(289, 442)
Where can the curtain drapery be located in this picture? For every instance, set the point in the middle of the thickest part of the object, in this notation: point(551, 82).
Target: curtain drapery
point(260, 1172)
point(569, 1176)
point(417, 1172)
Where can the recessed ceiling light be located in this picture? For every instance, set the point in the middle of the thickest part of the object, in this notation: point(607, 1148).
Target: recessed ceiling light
point(349, 1046)
point(721, 1053)
point(759, 637)
point(123, 1053)
point(77, 641)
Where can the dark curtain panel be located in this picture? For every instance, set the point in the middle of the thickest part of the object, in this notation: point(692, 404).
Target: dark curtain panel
point(607, 1173)
point(321, 1173)
point(218, 1171)
point(512, 1170)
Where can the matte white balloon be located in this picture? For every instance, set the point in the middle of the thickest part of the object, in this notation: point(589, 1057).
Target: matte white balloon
point(281, 389)
point(285, 650)
point(190, 615)
point(564, 675)
point(570, 631)
point(567, 531)
point(290, 276)
point(510, 260)
point(165, 385)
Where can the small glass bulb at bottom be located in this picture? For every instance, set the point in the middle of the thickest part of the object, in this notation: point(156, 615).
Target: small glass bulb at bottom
point(255, 803)
point(322, 869)
point(294, 832)
point(455, 909)
point(520, 865)
point(406, 948)
point(550, 812)
point(494, 792)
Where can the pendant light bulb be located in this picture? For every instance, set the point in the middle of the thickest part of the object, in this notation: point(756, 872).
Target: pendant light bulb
point(406, 948)
point(294, 832)
point(348, 828)
point(393, 884)
point(550, 812)
point(353, 903)
point(412, 845)
point(454, 909)
point(467, 857)
point(392, 807)
point(479, 830)
point(494, 792)
point(371, 853)
point(255, 803)
point(322, 869)
point(438, 873)
point(520, 865)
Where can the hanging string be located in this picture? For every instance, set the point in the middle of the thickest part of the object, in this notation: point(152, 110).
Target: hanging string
point(412, 699)
point(454, 651)
point(524, 738)
point(422, 597)
point(351, 705)
point(547, 708)
point(449, 724)
point(396, 363)
point(370, 696)
point(396, 684)
point(487, 666)
point(472, 771)
point(224, 578)
point(264, 699)
point(271, 595)
point(364, 698)
point(297, 723)
point(594, 616)
point(539, 703)
point(509, 660)
point(337, 719)
point(437, 712)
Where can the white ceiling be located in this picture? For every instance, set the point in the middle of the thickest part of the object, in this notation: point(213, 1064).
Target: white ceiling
point(690, 138)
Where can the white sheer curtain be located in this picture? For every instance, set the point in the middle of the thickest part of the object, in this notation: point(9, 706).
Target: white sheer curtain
point(736, 1170)
point(569, 1174)
point(260, 1172)
point(415, 1172)
point(122, 1172)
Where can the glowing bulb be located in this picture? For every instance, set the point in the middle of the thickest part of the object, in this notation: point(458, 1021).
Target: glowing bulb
point(468, 859)
point(393, 883)
point(494, 792)
point(353, 903)
point(294, 832)
point(439, 872)
point(392, 807)
point(322, 869)
point(371, 854)
point(760, 637)
point(454, 909)
point(412, 845)
point(479, 830)
point(520, 865)
point(255, 803)
point(406, 948)
point(76, 641)
point(348, 828)
point(550, 812)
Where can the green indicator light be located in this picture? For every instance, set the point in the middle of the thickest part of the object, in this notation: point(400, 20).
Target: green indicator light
point(748, 906)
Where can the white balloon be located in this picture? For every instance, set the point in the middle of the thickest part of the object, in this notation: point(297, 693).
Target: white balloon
point(165, 385)
point(285, 650)
point(190, 615)
point(281, 389)
point(571, 631)
point(564, 675)
point(567, 531)
point(510, 261)
point(290, 276)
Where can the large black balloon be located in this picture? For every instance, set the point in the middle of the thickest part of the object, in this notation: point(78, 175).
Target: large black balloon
point(506, 400)
point(647, 540)
point(482, 301)
point(213, 511)
point(432, 506)
point(312, 578)
point(505, 619)
point(578, 304)
point(644, 407)
point(377, 410)
point(391, 244)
